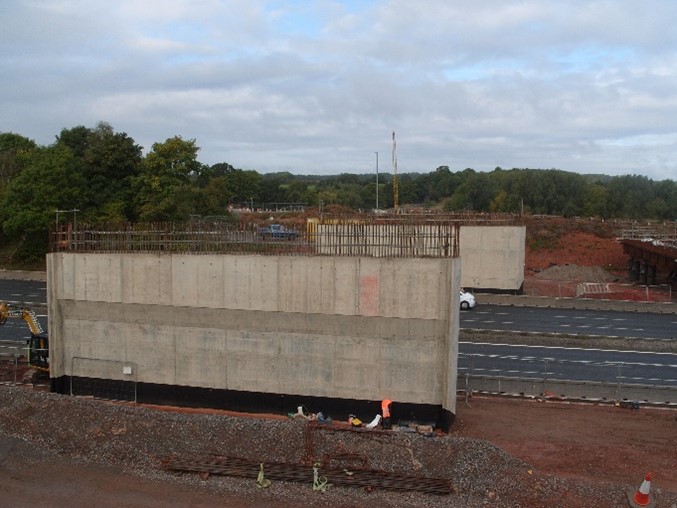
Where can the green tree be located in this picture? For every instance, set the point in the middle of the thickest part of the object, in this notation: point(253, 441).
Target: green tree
point(595, 201)
point(75, 138)
point(408, 190)
point(108, 162)
point(164, 188)
point(14, 153)
point(628, 195)
point(666, 191)
point(50, 181)
point(475, 193)
point(175, 158)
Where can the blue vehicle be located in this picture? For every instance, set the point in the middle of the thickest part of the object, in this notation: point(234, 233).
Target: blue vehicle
point(278, 232)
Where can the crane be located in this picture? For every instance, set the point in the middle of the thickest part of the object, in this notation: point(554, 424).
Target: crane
point(396, 191)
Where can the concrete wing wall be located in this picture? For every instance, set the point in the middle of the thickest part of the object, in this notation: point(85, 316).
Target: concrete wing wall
point(355, 328)
point(493, 257)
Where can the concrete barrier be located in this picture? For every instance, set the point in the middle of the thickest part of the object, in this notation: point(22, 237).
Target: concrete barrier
point(576, 303)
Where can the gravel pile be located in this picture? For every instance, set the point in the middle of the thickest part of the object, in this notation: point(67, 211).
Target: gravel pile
point(135, 439)
point(577, 273)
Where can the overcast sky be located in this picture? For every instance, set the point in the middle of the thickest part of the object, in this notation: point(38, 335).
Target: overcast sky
point(317, 87)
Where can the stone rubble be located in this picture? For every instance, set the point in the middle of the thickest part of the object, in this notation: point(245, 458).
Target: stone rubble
point(135, 439)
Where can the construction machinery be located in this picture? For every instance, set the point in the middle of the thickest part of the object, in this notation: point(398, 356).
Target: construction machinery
point(38, 344)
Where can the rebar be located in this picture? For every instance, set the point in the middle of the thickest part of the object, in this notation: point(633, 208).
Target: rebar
point(280, 471)
point(364, 237)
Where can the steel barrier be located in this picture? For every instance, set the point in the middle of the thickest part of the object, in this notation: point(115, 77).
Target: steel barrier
point(545, 378)
point(9, 363)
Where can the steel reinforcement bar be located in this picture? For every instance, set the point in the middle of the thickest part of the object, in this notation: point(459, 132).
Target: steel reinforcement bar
point(278, 471)
point(373, 239)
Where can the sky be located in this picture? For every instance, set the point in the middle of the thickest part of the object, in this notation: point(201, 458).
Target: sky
point(319, 87)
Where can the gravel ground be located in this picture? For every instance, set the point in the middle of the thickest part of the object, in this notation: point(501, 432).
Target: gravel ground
point(61, 451)
point(577, 273)
point(131, 440)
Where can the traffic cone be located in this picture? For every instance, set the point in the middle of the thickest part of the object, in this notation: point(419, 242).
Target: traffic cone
point(642, 497)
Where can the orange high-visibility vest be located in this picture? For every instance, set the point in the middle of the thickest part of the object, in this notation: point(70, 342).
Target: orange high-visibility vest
point(385, 408)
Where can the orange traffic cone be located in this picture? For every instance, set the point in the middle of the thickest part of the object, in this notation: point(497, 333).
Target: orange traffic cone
point(642, 497)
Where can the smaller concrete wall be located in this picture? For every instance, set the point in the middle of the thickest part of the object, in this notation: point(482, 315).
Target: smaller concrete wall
point(493, 257)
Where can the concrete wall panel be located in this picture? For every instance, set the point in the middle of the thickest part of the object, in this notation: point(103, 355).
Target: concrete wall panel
point(346, 279)
point(350, 328)
point(145, 279)
point(493, 256)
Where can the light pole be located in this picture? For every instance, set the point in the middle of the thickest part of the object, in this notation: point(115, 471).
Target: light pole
point(376, 180)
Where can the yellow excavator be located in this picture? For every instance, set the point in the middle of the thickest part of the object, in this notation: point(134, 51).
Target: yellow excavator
point(38, 345)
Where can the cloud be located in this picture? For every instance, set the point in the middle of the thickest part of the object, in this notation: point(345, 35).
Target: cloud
point(319, 87)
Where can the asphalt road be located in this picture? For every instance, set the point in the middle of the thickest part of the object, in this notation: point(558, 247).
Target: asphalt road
point(571, 321)
point(574, 364)
point(27, 292)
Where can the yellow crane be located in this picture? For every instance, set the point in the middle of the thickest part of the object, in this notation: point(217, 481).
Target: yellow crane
point(396, 190)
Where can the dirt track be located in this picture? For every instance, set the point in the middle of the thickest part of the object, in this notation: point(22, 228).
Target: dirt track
point(587, 441)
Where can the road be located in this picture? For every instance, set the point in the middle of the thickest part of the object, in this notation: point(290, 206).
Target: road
point(571, 321)
point(574, 364)
point(29, 293)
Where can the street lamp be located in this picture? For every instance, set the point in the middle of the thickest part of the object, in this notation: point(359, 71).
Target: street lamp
point(376, 180)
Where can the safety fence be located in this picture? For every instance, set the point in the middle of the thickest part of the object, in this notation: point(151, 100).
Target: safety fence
point(598, 290)
point(662, 233)
point(103, 379)
point(364, 237)
point(12, 361)
point(551, 378)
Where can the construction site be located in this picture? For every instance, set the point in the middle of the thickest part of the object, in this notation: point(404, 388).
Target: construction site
point(222, 351)
point(263, 318)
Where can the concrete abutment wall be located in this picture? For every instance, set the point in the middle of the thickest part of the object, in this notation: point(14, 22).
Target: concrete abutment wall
point(333, 328)
point(493, 257)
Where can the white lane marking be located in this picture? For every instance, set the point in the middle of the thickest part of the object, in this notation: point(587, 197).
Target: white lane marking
point(507, 322)
point(569, 348)
point(619, 319)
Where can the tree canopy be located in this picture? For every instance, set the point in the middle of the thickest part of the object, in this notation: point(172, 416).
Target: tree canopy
point(105, 176)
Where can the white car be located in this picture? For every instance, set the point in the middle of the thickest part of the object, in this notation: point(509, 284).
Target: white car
point(467, 300)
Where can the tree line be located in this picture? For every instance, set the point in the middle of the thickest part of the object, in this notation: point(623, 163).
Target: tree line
point(106, 177)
